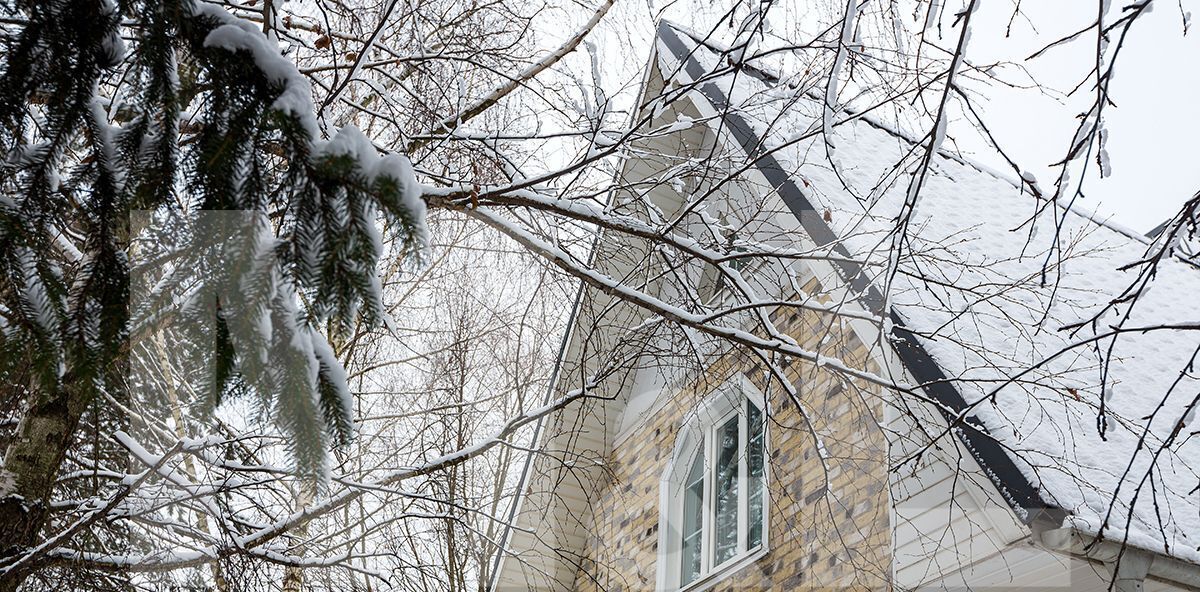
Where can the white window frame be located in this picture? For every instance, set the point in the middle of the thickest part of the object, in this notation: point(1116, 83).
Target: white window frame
point(699, 429)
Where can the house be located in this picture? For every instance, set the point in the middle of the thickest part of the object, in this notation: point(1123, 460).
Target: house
point(709, 475)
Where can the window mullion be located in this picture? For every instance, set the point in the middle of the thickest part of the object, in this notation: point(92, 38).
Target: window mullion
point(743, 513)
point(706, 530)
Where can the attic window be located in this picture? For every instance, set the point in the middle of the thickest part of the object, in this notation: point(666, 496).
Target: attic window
point(714, 491)
point(713, 283)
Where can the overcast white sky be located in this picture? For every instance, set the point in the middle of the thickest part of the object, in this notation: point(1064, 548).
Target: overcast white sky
point(1152, 131)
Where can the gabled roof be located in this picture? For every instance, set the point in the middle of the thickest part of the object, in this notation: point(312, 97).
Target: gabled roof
point(992, 318)
point(1036, 438)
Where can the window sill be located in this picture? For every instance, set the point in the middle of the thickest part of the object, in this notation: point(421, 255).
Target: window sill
point(724, 572)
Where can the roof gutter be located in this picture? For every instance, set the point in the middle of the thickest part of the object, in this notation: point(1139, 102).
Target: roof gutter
point(1128, 565)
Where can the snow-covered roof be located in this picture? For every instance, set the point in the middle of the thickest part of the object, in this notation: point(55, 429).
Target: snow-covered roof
point(985, 316)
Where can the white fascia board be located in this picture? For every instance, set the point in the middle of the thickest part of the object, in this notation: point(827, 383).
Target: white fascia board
point(506, 570)
point(1069, 541)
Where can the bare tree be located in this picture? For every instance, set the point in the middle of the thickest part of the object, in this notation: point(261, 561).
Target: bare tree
point(520, 145)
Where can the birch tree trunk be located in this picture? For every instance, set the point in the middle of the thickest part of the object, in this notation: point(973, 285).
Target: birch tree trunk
point(189, 465)
point(293, 576)
point(31, 466)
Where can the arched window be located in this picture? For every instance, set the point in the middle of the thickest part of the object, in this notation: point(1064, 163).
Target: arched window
point(714, 499)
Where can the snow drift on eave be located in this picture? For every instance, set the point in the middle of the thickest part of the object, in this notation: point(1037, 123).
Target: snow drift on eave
point(988, 317)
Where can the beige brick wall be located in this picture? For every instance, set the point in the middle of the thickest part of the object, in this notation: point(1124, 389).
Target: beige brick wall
point(829, 526)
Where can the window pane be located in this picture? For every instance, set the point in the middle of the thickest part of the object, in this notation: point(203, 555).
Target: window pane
point(755, 474)
point(693, 515)
point(725, 506)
